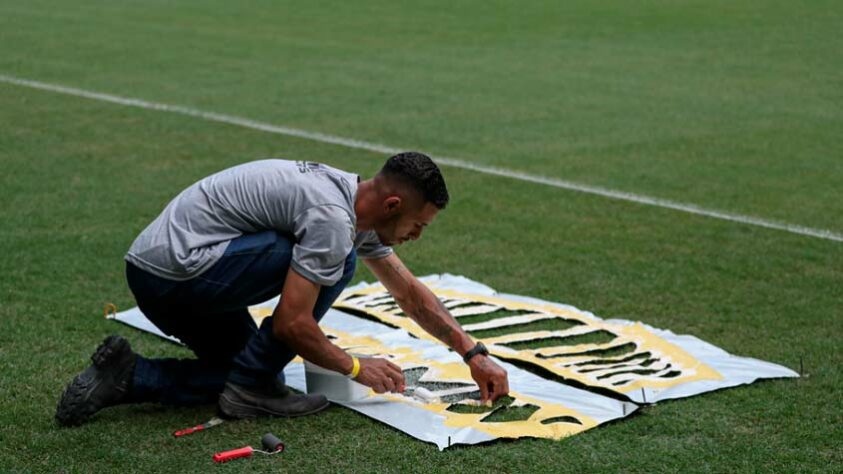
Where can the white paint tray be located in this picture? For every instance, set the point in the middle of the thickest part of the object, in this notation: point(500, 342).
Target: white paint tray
point(334, 385)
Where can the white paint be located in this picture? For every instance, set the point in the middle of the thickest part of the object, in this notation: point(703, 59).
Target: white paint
point(509, 321)
point(473, 310)
point(452, 162)
point(425, 395)
point(452, 303)
point(517, 337)
point(561, 351)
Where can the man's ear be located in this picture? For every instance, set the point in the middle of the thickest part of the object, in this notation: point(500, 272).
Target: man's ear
point(392, 205)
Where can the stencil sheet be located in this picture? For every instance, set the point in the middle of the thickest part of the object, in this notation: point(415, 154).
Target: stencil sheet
point(582, 357)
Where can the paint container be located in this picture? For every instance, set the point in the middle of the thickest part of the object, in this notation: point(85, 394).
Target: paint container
point(335, 386)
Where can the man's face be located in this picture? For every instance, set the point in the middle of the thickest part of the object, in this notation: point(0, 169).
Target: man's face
point(405, 223)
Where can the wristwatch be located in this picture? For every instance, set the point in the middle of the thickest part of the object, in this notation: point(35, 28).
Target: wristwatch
point(478, 349)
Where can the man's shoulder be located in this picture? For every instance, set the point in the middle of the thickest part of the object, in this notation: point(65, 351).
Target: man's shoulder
point(326, 185)
point(265, 164)
point(315, 169)
point(316, 177)
point(308, 170)
point(304, 167)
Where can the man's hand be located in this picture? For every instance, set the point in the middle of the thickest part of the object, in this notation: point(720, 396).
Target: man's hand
point(420, 304)
point(490, 377)
point(381, 375)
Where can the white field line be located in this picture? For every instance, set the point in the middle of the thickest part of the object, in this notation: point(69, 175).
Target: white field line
point(452, 162)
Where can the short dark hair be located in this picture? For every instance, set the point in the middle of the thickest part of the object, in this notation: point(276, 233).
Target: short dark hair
point(419, 172)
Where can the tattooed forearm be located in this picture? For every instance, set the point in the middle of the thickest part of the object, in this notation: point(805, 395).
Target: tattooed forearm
point(432, 315)
point(401, 272)
point(419, 303)
point(439, 321)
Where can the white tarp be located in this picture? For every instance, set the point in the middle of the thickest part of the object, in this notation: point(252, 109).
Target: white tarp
point(559, 410)
point(680, 365)
point(432, 422)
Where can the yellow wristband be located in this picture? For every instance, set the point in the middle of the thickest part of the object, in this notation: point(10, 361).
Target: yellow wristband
point(355, 367)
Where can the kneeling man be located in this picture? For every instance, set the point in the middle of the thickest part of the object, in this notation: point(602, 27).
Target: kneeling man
point(245, 235)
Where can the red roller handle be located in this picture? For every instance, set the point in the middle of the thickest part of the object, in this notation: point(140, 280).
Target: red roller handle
point(193, 429)
point(188, 431)
point(233, 454)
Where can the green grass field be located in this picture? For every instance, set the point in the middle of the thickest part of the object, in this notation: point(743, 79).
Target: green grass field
point(735, 106)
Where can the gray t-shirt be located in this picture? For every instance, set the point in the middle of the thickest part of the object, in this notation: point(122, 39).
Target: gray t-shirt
point(312, 202)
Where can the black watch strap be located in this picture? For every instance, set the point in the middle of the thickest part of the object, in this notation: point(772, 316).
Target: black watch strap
point(478, 349)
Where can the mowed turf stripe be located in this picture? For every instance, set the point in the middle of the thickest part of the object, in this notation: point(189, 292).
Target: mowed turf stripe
point(453, 162)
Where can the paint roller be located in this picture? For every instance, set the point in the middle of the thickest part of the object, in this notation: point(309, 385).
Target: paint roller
point(270, 443)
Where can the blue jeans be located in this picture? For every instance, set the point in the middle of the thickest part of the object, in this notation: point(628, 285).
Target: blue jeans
point(209, 314)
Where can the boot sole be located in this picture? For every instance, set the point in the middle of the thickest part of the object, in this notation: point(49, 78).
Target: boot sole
point(74, 408)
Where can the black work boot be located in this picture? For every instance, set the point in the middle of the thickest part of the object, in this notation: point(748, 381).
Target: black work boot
point(103, 384)
point(237, 401)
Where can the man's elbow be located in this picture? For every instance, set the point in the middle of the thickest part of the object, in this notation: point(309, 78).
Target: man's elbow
point(284, 327)
point(280, 330)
